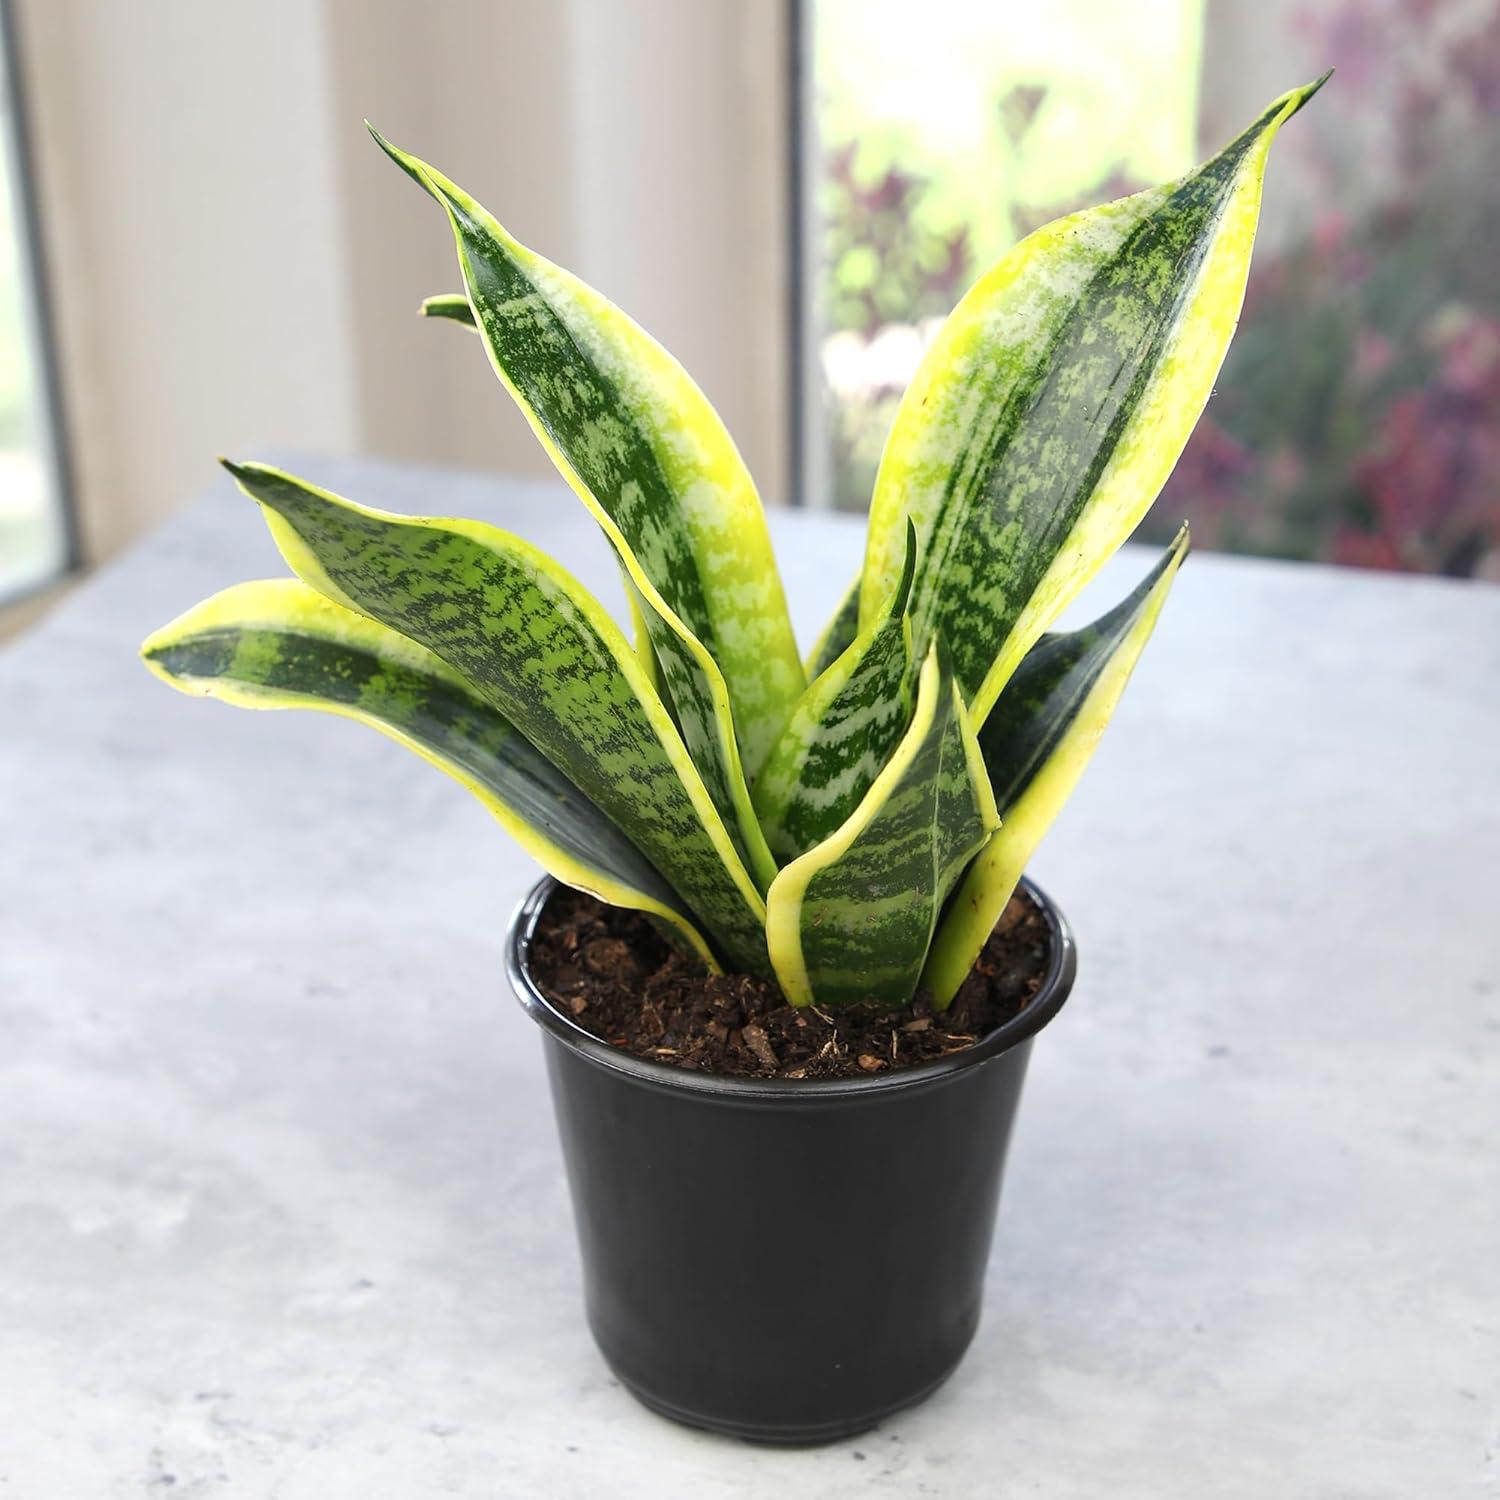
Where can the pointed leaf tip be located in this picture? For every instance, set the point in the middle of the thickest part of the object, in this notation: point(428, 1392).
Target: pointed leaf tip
point(1294, 99)
point(1309, 89)
point(404, 159)
point(452, 307)
point(908, 570)
point(252, 470)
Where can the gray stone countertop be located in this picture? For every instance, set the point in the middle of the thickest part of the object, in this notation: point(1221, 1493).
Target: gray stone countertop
point(281, 1208)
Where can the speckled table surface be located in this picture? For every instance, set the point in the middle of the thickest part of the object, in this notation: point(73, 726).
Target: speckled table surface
point(281, 1210)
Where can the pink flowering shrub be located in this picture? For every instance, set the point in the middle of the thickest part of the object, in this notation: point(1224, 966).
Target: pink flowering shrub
point(1378, 445)
point(1377, 441)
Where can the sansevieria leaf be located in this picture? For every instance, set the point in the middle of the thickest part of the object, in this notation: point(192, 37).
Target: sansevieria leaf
point(647, 454)
point(841, 732)
point(538, 648)
point(851, 920)
point(280, 644)
point(1053, 404)
point(453, 306)
point(1036, 743)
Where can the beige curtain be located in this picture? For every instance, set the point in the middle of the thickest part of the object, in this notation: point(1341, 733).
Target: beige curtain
point(236, 266)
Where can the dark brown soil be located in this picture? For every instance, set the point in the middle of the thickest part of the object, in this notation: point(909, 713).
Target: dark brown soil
point(615, 975)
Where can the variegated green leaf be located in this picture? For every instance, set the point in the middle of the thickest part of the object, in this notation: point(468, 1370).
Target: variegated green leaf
point(841, 732)
point(645, 451)
point(838, 635)
point(536, 646)
point(280, 644)
point(453, 306)
point(1036, 743)
point(1053, 404)
point(850, 922)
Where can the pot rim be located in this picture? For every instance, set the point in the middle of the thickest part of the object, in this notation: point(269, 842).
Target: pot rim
point(1057, 984)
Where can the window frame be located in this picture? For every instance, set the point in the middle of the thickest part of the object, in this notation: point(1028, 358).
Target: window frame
point(809, 467)
point(41, 338)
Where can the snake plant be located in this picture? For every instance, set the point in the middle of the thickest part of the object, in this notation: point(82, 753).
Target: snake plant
point(851, 825)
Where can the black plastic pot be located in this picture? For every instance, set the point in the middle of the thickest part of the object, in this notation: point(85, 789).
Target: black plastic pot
point(784, 1260)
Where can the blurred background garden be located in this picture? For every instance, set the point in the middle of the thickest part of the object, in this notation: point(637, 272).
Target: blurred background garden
point(1357, 418)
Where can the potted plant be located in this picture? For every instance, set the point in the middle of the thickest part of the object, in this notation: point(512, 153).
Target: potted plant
point(788, 1021)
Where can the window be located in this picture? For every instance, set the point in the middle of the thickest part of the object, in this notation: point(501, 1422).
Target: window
point(1357, 418)
point(35, 541)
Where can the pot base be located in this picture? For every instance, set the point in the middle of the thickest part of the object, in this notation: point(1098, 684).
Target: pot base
point(814, 1436)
